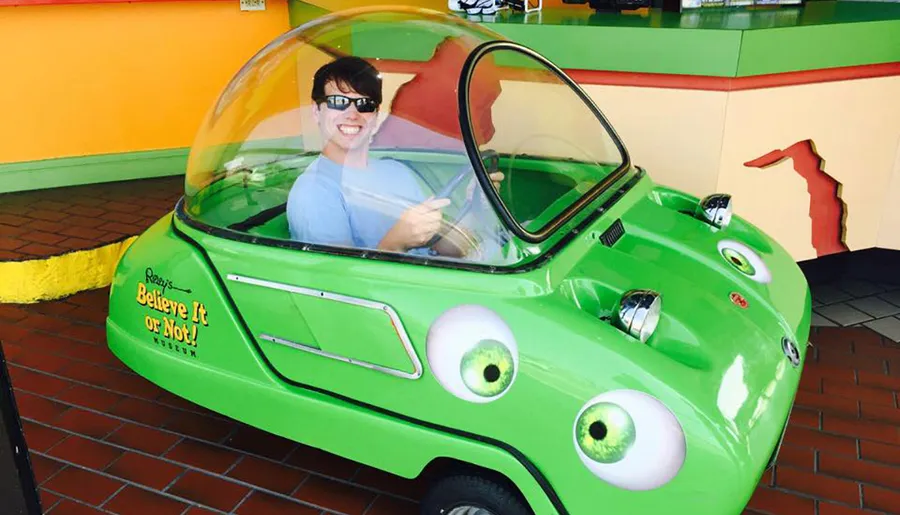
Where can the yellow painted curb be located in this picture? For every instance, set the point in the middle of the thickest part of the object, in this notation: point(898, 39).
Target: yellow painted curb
point(36, 280)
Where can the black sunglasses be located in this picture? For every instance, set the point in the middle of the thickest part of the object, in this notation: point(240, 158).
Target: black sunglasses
point(341, 103)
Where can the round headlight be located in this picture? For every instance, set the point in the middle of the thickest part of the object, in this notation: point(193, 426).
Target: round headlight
point(715, 209)
point(639, 313)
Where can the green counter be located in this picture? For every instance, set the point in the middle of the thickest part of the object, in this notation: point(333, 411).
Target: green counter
point(735, 42)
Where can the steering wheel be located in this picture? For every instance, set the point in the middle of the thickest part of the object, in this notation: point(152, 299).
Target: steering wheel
point(446, 192)
point(452, 186)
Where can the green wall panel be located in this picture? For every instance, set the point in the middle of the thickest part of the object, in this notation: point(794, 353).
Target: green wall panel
point(817, 47)
point(732, 42)
point(407, 43)
point(302, 12)
point(70, 171)
point(659, 50)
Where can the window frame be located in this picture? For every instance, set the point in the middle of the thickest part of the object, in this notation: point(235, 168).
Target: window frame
point(471, 144)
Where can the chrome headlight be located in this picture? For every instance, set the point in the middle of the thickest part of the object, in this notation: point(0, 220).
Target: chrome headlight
point(715, 209)
point(639, 313)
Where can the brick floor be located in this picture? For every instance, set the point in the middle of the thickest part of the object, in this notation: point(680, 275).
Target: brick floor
point(55, 221)
point(105, 440)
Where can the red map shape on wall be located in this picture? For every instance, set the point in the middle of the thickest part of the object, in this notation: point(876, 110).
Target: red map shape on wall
point(826, 208)
point(428, 104)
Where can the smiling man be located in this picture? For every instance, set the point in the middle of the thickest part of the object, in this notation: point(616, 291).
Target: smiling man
point(348, 198)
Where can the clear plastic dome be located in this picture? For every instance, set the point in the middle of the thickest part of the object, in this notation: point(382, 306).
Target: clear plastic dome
point(346, 133)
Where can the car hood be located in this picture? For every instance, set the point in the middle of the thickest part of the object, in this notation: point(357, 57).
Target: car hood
point(730, 348)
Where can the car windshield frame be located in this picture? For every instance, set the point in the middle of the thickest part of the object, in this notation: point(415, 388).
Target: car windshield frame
point(475, 156)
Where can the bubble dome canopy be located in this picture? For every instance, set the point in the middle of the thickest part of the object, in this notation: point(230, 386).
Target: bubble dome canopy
point(281, 160)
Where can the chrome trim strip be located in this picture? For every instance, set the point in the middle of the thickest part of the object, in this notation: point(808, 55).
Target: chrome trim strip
point(395, 319)
point(364, 364)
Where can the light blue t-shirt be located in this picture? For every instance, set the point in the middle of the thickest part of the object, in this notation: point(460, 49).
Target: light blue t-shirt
point(332, 204)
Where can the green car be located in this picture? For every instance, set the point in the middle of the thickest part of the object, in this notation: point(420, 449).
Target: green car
point(410, 242)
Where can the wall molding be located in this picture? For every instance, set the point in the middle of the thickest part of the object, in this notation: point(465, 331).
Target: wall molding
point(76, 171)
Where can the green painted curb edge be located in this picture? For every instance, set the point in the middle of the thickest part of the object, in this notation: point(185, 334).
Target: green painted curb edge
point(73, 171)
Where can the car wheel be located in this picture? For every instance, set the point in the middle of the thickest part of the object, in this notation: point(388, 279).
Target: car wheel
point(471, 495)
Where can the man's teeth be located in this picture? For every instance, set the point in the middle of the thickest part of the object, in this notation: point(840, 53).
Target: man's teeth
point(349, 130)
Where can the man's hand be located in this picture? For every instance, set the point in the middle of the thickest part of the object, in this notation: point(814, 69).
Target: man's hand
point(496, 179)
point(416, 226)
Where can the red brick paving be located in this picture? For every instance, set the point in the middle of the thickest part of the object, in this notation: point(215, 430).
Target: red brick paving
point(105, 440)
point(50, 222)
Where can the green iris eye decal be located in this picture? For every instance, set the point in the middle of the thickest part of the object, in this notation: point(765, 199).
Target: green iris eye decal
point(629, 439)
point(487, 368)
point(738, 261)
point(473, 354)
point(605, 432)
point(745, 260)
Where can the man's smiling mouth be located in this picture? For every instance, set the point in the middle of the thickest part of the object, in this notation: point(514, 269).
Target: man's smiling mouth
point(349, 130)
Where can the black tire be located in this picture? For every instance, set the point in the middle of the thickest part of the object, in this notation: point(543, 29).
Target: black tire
point(468, 490)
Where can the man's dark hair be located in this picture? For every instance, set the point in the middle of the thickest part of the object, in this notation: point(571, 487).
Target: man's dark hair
point(348, 71)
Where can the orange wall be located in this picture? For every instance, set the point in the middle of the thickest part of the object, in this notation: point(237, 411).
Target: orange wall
point(105, 78)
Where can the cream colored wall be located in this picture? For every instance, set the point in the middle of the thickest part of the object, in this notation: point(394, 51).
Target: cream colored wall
point(854, 125)
point(675, 134)
point(548, 120)
point(889, 233)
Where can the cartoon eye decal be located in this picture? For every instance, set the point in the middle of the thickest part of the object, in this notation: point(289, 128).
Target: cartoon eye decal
point(629, 439)
point(605, 432)
point(487, 368)
point(472, 353)
point(745, 260)
point(739, 261)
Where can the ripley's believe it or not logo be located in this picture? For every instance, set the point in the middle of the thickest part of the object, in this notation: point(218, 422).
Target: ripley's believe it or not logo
point(175, 325)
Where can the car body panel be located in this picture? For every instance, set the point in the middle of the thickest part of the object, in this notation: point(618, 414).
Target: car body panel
point(225, 373)
point(716, 366)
